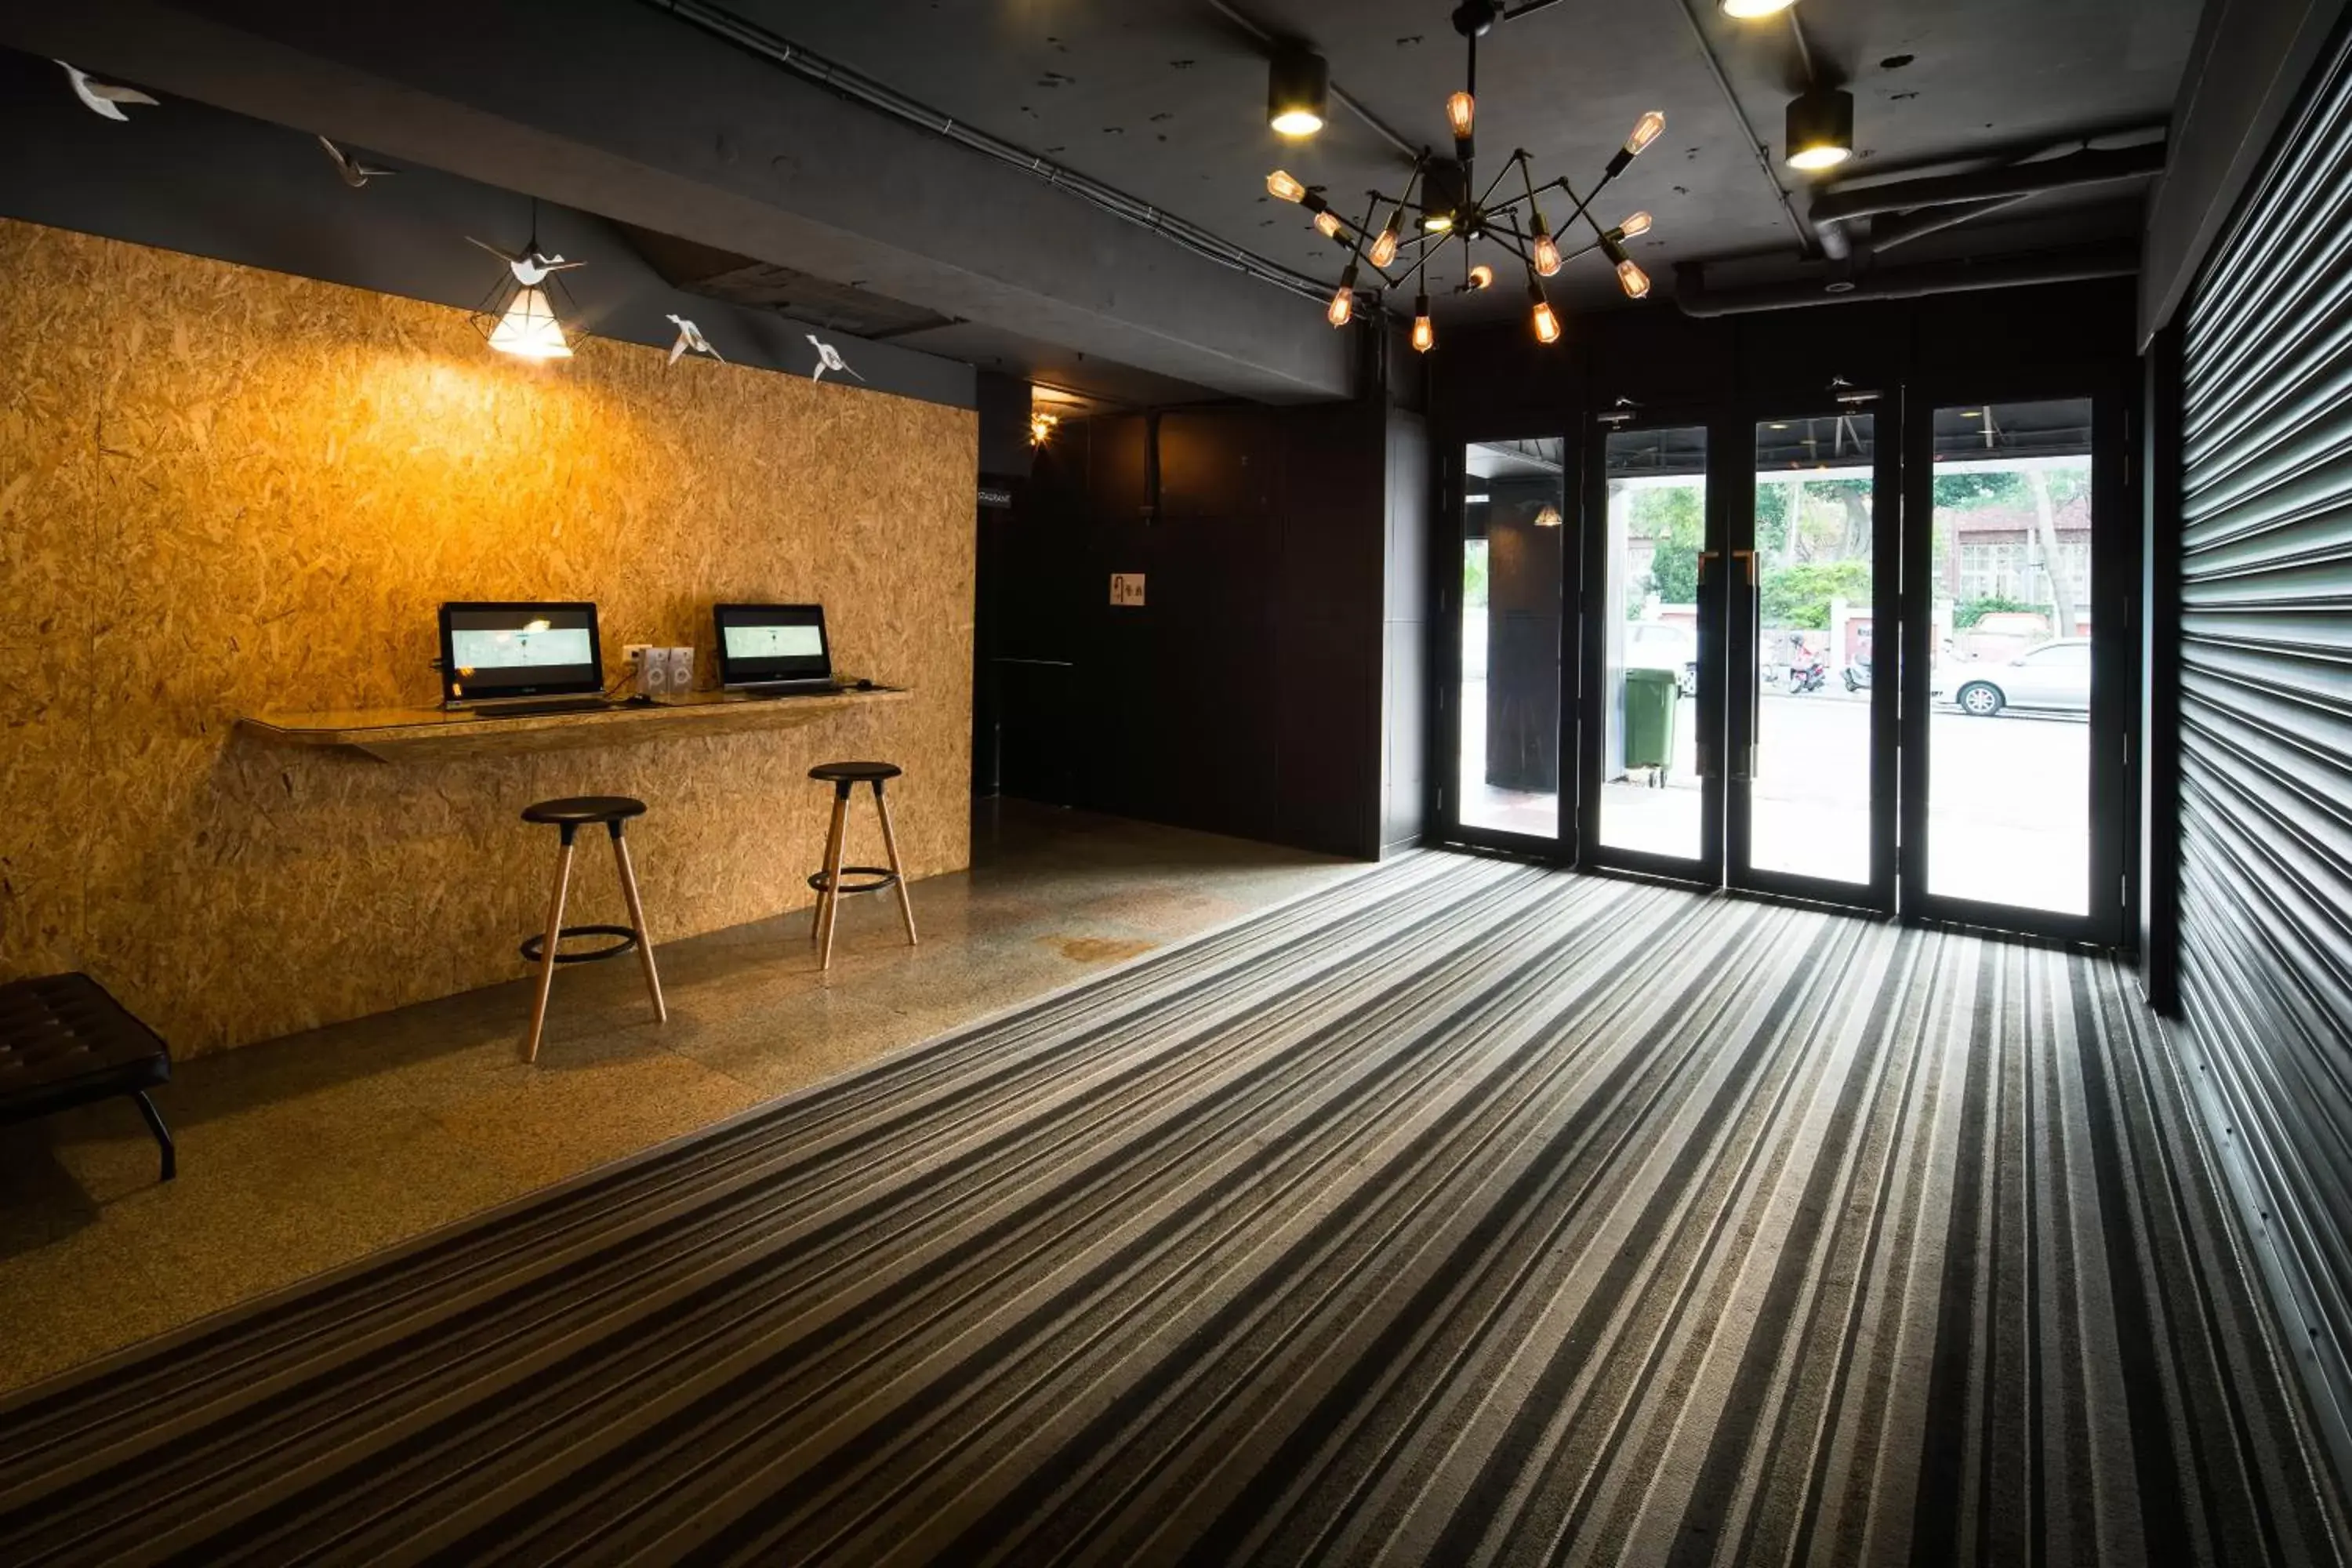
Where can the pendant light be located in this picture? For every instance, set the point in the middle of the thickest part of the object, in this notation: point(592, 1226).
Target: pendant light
point(1546, 325)
point(1424, 335)
point(1820, 129)
point(528, 328)
point(1343, 298)
point(525, 312)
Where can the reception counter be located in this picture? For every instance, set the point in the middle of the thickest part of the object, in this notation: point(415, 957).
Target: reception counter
point(420, 735)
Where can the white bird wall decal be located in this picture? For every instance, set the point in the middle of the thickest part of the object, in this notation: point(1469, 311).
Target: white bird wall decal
point(828, 358)
point(689, 336)
point(355, 174)
point(102, 97)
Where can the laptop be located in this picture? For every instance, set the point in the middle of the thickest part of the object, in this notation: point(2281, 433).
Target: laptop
point(773, 650)
point(516, 656)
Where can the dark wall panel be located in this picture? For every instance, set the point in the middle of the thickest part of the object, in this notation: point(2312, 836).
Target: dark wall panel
point(1245, 696)
point(2265, 706)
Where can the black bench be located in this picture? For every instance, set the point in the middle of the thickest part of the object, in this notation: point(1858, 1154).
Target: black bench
point(65, 1042)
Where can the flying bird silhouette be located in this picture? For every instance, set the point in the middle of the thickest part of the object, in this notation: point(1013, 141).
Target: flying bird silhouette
point(531, 267)
point(689, 336)
point(828, 358)
point(355, 174)
point(102, 97)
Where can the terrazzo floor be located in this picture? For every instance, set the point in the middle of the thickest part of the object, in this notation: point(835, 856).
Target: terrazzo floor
point(305, 1154)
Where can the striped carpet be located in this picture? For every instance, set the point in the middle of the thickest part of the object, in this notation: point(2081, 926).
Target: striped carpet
point(1468, 1213)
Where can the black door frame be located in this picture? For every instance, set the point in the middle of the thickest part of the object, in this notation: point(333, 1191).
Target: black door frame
point(1744, 679)
point(1445, 732)
point(2114, 672)
point(1707, 707)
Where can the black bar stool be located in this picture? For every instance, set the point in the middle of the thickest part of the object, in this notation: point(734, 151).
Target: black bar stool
point(828, 883)
point(569, 816)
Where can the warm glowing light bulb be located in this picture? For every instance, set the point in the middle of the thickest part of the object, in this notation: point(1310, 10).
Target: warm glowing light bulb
point(1384, 248)
point(1461, 113)
point(529, 329)
point(1297, 122)
point(1481, 277)
point(1547, 518)
point(1646, 130)
point(1748, 10)
point(1343, 305)
point(1547, 255)
point(1823, 157)
point(1632, 278)
point(1547, 324)
point(1424, 335)
point(1638, 224)
point(1282, 187)
point(1437, 223)
point(1327, 222)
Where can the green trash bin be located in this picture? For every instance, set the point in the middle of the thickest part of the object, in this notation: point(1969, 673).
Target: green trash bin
point(1650, 698)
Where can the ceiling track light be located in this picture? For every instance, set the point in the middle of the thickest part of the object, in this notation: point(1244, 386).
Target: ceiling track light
point(1752, 10)
point(1820, 129)
point(1298, 91)
point(1453, 206)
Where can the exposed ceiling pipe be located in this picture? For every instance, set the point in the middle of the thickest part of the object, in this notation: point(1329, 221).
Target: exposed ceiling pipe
point(1696, 298)
point(2010, 183)
point(1896, 229)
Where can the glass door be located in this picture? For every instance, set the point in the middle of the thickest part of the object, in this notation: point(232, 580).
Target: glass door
point(1812, 578)
point(2013, 757)
point(1503, 784)
point(1653, 787)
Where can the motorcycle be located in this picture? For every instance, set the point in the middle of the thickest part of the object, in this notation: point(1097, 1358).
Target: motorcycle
point(1810, 676)
point(1857, 675)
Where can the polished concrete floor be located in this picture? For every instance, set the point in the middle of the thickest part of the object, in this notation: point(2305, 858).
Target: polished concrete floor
point(306, 1152)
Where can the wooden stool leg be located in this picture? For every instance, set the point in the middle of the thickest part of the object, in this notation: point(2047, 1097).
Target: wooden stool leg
point(554, 939)
point(890, 843)
point(637, 920)
point(829, 908)
point(831, 848)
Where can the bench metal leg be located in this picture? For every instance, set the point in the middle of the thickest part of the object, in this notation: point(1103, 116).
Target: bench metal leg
point(898, 869)
point(638, 919)
point(554, 941)
point(163, 1134)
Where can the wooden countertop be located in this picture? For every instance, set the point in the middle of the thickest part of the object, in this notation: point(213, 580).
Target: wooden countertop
point(417, 734)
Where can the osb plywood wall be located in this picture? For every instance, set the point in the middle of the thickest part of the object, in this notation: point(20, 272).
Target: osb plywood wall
point(226, 492)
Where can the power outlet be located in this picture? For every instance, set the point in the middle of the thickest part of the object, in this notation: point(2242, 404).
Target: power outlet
point(635, 654)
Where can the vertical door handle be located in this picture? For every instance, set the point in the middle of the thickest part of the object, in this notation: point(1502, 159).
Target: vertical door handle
point(1744, 767)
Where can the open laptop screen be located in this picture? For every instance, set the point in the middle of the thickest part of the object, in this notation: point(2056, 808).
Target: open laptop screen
point(520, 649)
point(764, 643)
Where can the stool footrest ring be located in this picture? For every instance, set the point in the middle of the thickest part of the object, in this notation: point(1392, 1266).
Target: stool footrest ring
point(876, 879)
point(534, 944)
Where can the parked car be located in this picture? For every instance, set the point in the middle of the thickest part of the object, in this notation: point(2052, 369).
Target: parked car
point(1664, 644)
point(2056, 676)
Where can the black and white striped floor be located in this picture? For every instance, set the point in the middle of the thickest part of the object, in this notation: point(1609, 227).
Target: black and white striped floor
point(1467, 1211)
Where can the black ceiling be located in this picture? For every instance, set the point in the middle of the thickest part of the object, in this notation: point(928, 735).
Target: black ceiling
point(1165, 98)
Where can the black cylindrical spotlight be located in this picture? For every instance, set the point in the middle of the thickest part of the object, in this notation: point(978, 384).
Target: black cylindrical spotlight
point(1821, 129)
point(1445, 192)
point(1297, 91)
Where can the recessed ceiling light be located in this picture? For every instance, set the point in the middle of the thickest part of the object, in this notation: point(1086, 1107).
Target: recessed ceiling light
point(1748, 10)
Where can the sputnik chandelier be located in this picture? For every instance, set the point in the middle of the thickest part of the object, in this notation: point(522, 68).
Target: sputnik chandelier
point(1416, 231)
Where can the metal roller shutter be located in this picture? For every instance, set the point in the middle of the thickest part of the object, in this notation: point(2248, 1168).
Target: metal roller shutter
point(2266, 722)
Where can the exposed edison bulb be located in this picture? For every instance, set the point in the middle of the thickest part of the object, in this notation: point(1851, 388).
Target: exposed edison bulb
point(1328, 223)
point(1632, 278)
point(1547, 324)
point(1437, 223)
point(1461, 113)
point(1646, 130)
point(1424, 335)
point(1749, 10)
point(529, 329)
point(1546, 254)
point(1282, 187)
point(1637, 225)
point(1384, 248)
point(1343, 305)
point(1481, 277)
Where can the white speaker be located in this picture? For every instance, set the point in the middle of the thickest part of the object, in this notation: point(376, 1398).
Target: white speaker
point(653, 672)
point(681, 671)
